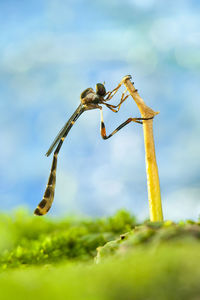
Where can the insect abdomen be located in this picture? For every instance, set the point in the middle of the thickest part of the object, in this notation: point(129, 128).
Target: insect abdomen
point(44, 206)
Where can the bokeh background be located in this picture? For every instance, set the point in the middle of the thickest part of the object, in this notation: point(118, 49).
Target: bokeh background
point(50, 52)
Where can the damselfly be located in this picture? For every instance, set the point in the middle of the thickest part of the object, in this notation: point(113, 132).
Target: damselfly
point(89, 99)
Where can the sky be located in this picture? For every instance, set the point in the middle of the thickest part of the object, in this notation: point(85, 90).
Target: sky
point(50, 52)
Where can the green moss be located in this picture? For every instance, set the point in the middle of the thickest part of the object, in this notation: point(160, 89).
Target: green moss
point(27, 240)
point(54, 259)
point(151, 235)
point(167, 272)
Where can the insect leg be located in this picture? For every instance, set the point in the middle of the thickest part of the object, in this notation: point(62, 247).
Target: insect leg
point(112, 93)
point(103, 129)
point(118, 106)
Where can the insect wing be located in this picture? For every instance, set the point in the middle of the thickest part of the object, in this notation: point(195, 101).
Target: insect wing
point(58, 137)
point(62, 132)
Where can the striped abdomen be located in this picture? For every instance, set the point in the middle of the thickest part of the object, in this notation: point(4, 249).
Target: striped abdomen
point(45, 205)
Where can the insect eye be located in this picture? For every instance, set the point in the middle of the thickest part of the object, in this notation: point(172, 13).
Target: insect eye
point(100, 89)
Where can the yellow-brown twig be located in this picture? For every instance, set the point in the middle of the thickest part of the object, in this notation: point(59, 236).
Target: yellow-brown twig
point(154, 196)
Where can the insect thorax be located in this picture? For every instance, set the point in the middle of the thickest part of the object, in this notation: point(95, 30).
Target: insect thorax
point(89, 96)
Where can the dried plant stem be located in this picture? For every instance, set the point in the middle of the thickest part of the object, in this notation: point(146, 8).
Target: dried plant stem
point(154, 196)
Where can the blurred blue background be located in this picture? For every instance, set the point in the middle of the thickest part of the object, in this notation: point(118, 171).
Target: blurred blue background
point(50, 52)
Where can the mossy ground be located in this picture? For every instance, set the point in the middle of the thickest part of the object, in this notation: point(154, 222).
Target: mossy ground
point(45, 259)
point(28, 240)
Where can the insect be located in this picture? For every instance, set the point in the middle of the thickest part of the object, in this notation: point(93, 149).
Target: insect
point(89, 99)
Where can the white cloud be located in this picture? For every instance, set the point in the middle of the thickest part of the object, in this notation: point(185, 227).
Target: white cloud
point(183, 203)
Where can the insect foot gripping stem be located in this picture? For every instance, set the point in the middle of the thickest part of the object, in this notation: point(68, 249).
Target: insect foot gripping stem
point(45, 205)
